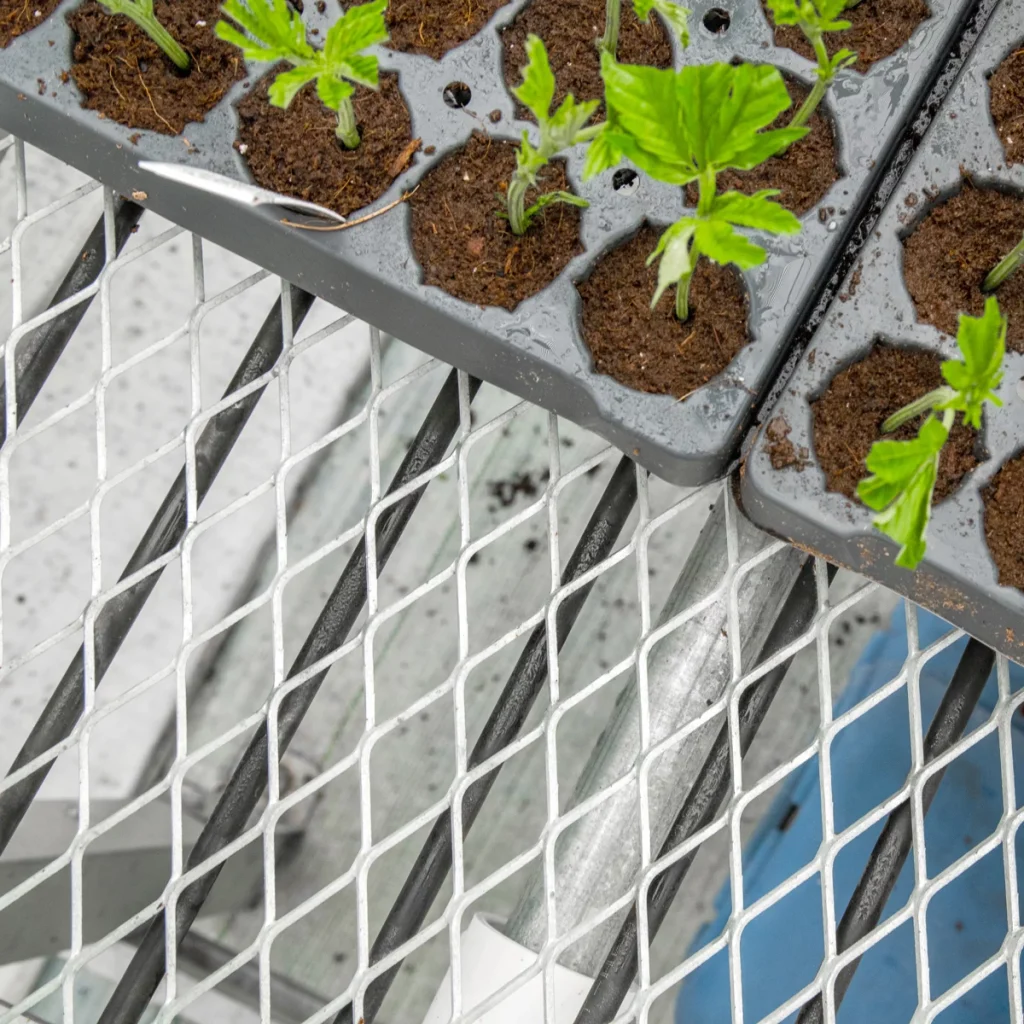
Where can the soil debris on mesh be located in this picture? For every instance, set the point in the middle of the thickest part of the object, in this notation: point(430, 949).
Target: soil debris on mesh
point(1006, 100)
point(878, 28)
point(125, 76)
point(526, 484)
point(1003, 502)
point(296, 151)
point(781, 450)
point(18, 17)
point(433, 27)
point(803, 174)
point(650, 350)
point(949, 253)
point(570, 30)
point(848, 418)
point(462, 244)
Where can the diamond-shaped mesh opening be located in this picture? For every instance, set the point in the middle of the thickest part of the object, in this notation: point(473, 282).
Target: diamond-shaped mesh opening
point(614, 640)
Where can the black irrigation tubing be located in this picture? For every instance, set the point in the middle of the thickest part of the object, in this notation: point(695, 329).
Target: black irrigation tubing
point(38, 352)
point(506, 719)
point(166, 529)
point(243, 790)
point(709, 791)
point(864, 910)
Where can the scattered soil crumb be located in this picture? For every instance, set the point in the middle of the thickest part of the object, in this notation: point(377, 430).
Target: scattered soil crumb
point(781, 450)
point(17, 17)
point(526, 484)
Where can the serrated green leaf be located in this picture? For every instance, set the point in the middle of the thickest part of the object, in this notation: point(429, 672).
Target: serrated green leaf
point(361, 25)
point(537, 89)
point(333, 91)
point(705, 117)
point(603, 153)
point(673, 249)
point(287, 84)
point(721, 242)
point(755, 211)
point(275, 31)
point(564, 127)
point(901, 486)
point(982, 342)
point(673, 13)
point(361, 68)
point(822, 15)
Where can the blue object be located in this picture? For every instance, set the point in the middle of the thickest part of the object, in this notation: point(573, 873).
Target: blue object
point(782, 949)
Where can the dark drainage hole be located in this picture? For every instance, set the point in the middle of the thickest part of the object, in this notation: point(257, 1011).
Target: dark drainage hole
point(717, 20)
point(457, 94)
point(625, 181)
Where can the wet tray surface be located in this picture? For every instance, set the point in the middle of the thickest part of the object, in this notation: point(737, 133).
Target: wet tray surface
point(958, 578)
point(536, 350)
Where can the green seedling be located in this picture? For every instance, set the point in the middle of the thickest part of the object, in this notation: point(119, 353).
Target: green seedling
point(273, 32)
point(558, 131)
point(903, 473)
point(674, 14)
point(814, 18)
point(141, 12)
point(688, 125)
point(1007, 266)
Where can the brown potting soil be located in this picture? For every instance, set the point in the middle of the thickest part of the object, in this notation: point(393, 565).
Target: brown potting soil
point(848, 418)
point(125, 76)
point(19, 16)
point(464, 247)
point(570, 30)
point(650, 350)
point(296, 150)
point(1003, 501)
point(878, 28)
point(1006, 98)
point(803, 174)
point(434, 27)
point(948, 255)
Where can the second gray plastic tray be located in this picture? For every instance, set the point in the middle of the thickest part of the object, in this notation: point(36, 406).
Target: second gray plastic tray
point(958, 578)
point(536, 350)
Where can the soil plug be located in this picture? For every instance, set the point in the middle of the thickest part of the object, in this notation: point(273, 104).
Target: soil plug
point(814, 18)
point(141, 12)
point(1005, 267)
point(673, 13)
point(274, 32)
point(688, 125)
point(561, 130)
point(904, 472)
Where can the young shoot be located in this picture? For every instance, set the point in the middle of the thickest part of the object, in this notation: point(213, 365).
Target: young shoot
point(141, 12)
point(273, 32)
point(1007, 266)
point(688, 125)
point(903, 473)
point(671, 12)
point(814, 18)
point(558, 131)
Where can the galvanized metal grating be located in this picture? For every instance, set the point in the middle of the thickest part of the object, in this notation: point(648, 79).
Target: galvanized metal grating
point(536, 578)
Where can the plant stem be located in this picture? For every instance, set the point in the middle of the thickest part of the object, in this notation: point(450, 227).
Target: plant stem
point(912, 409)
point(706, 183)
point(1006, 266)
point(347, 131)
point(612, 17)
point(515, 203)
point(149, 24)
point(824, 80)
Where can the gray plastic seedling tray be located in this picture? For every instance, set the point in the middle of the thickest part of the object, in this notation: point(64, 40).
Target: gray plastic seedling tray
point(536, 350)
point(957, 579)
